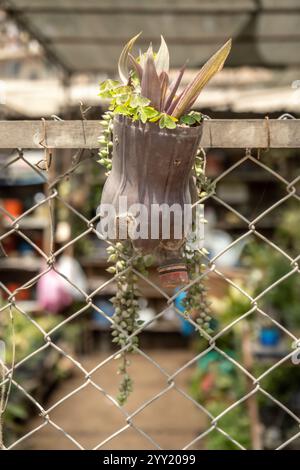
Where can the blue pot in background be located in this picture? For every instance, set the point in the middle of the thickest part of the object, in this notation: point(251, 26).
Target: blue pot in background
point(269, 336)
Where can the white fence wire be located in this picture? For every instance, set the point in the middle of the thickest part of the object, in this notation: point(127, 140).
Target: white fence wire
point(51, 197)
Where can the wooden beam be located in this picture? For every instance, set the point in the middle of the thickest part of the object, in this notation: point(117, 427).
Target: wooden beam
point(217, 133)
point(133, 6)
point(136, 6)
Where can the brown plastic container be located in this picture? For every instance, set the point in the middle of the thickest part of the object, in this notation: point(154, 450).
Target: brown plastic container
point(151, 166)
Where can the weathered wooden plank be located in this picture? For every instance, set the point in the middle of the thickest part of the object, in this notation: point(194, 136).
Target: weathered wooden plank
point(132, 5)
point(136, 5)
point(218, 133)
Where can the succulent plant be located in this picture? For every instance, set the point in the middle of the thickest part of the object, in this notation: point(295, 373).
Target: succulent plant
point(145, 92)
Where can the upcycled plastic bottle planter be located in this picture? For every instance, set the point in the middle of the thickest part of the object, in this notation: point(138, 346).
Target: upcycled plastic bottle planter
point(152, 166)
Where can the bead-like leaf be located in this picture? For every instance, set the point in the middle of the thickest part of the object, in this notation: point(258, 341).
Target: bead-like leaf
point(123, 60)
point(209, 69)
point(162, 59)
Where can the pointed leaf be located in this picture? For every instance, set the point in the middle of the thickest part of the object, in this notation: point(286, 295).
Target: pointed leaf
point(162, 59)
point(123, 60)
point(150, 86)
point(209, 69)
point(164, 83)
point(174, 87)
point(142, 59)
point(171, 108)
point(137, 67)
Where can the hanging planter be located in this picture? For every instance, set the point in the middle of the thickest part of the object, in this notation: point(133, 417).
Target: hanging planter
point(150, 148)
point(152, 166)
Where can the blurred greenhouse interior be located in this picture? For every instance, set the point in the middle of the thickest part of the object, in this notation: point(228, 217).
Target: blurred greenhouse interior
point(53, 56)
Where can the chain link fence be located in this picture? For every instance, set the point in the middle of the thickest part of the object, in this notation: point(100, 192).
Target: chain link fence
point(48, 254)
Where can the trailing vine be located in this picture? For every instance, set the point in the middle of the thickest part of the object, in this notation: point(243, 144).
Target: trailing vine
point(203, 184)
point(126, 306)
point(196, 301)
point(105, 141)
point(125, 316)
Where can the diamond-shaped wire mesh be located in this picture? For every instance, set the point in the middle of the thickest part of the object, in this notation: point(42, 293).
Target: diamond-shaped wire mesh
point(48, 256)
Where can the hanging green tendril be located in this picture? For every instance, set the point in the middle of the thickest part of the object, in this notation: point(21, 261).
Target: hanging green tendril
point(204, 185)
point(105, 141)
point(196, 301)
point(126, 316)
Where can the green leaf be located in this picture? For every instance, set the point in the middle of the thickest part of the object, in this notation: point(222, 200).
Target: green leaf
point(155, 118)
point(162, 121)
point(109, 84)
point(197, 116)
point(122, 109)
point(192, 118)
point(143, 116)
point(107, 88)
point(167, 121)
point(137, 101)
point(188, 120)
point(122, 99)
point(122, 90)
point(148, 113)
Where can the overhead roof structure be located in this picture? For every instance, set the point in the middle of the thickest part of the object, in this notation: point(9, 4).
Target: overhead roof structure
point(87, 35)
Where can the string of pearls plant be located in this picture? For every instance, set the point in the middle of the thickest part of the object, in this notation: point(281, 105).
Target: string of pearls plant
point(124, 259)
point(126, 305)
point(203, 184)
point(105, 140)
point(196, 301)
point(125, 317)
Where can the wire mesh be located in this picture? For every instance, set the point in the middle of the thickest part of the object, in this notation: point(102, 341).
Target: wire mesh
point(52, 197)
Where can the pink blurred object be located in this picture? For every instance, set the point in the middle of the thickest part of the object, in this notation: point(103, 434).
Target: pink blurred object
point(52, 292)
